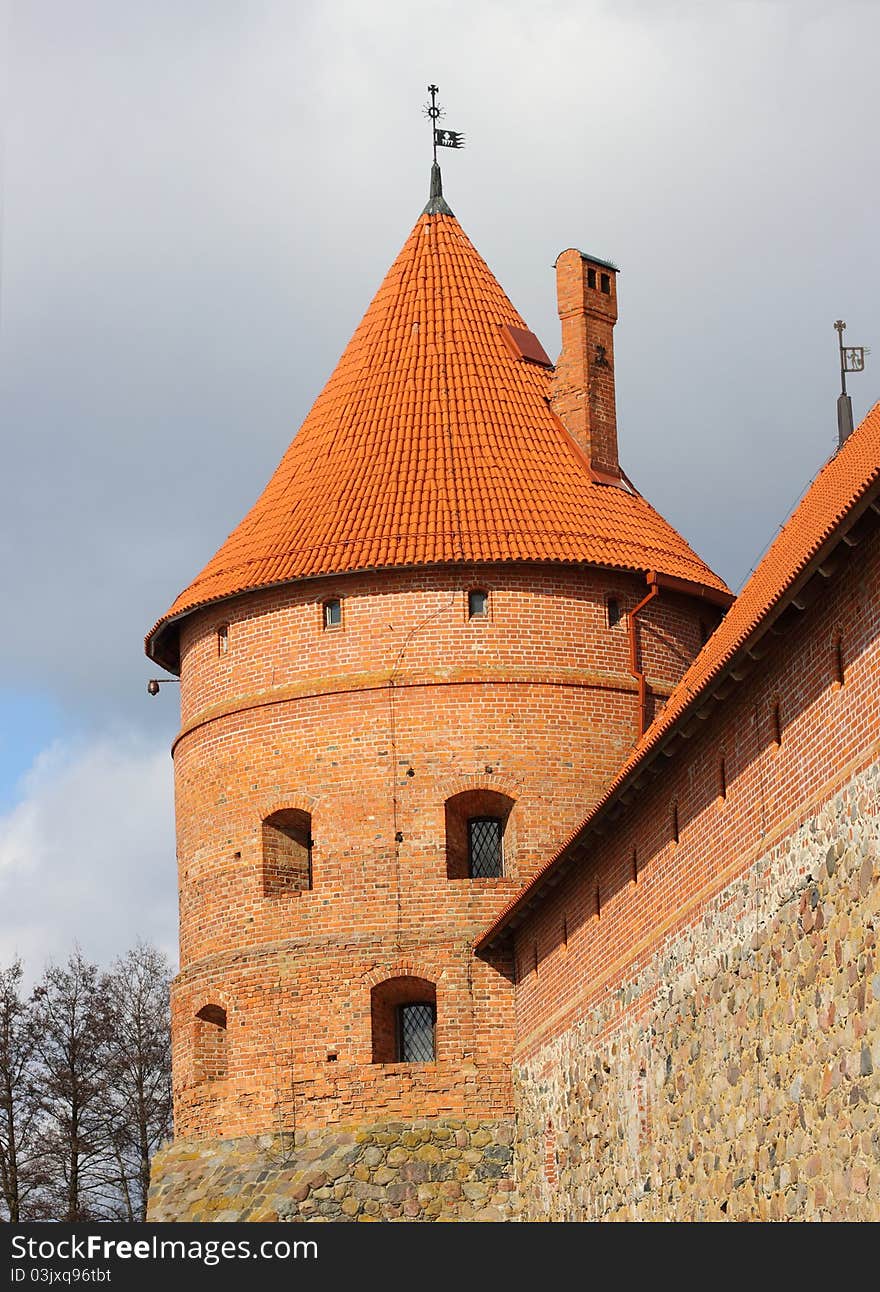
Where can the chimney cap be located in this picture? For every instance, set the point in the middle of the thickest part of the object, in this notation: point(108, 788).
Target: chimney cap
point(594, 260)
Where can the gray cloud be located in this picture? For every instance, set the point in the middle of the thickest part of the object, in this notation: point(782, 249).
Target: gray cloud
point(88, 853)
point(200, 200)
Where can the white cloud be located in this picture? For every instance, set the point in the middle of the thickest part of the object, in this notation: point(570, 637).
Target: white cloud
point(88, 854)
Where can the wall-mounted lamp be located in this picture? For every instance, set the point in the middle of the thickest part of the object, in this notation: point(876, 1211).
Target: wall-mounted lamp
point(155, 682)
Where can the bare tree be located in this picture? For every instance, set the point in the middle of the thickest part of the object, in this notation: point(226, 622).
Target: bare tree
point(72, 1057)
point(20, 1142)
point(138, 1094)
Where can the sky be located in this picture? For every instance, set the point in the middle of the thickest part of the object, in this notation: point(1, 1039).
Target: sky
point(199, 201)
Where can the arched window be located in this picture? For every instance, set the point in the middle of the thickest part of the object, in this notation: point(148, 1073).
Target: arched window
point(477, 830)
point(404, 1019)
point(287, 852)
point(612, 612)
point(210, 1043)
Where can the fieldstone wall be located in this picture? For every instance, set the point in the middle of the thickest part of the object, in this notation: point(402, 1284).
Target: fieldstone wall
point(736, 1074)
point(437, 1169)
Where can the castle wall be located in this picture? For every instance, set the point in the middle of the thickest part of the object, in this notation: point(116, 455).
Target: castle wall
point(292, 716)
point(429, 1169)
point(698, 1022)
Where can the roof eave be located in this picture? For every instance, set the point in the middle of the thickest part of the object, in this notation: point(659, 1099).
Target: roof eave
point(158, 647)
point(564, 857)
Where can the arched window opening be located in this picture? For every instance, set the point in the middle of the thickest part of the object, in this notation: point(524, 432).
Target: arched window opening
point(404, 1020)
point(287, 852)
point(612, 611)
point(210, 1043)
point(478, 835)
point(223, 639)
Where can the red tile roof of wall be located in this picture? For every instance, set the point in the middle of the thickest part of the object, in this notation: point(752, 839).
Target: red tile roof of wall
point(432, 443)
point(846, 480)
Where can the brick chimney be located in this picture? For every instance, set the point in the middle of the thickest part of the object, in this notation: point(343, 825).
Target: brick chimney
point(583, 385)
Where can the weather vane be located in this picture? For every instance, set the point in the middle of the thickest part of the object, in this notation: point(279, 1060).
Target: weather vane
point(852, 359)
point(442, 138)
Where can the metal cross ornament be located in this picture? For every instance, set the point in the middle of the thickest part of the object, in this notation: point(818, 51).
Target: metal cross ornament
point(852, 359)
point(442, 138)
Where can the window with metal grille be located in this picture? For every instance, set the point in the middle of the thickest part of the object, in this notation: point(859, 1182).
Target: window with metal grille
point(484, 847)
point(415, 1033)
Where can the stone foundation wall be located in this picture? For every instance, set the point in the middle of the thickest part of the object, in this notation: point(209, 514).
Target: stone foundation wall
point(736, 1072)
point(437, 1169)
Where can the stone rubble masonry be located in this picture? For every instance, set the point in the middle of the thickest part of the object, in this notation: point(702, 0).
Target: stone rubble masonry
point(698, 1022)
point(426, 1170)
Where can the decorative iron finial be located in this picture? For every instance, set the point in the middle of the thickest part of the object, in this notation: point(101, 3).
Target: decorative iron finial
point(852, 359)
point(440, 139)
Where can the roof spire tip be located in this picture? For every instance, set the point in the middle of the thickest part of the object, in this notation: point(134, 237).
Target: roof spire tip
point(436, 204)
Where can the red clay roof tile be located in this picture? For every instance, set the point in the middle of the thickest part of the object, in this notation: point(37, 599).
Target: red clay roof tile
point(842, 484)
point(431, 443)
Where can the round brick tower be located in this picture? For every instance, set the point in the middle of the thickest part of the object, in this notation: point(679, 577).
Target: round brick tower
point(405, 677)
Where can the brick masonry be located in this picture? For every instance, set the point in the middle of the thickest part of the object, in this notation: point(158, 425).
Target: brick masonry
point(583, 381)
point(698, 1020)
point(735, 1072)
point(533, 705)
point(373, 729)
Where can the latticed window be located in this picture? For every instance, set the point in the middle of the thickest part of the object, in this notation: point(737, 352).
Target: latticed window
point(484, 847)
point(415, 1033)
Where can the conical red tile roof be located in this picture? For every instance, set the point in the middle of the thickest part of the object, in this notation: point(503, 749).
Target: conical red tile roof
point(431, 443)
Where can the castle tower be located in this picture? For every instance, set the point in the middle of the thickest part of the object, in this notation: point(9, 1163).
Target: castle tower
point(405, 677)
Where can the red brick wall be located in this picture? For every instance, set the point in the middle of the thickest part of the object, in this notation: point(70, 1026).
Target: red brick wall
point(534, 703)
point(636, 887)
point(583, 382)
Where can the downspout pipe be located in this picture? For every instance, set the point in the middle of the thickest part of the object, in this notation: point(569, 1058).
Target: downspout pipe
point(634, 669)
